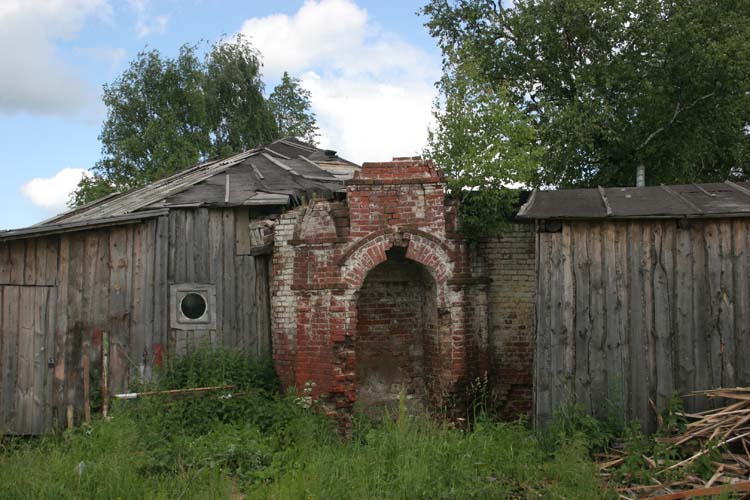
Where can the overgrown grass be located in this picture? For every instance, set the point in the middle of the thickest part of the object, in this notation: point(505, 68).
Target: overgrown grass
point(256, 442)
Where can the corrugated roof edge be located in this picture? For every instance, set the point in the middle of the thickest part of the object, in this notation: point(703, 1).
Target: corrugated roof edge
point(69, 227)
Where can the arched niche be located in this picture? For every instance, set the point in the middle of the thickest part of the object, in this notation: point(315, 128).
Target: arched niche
point(396, 342)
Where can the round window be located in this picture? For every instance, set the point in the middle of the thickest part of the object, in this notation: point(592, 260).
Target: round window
point(193, 306)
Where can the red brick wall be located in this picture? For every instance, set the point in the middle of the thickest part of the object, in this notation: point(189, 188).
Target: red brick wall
point(323, 254)
point(396, 334)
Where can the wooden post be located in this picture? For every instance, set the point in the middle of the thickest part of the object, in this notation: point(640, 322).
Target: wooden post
point(105, 371)
point(70, 416)
point(86, 362)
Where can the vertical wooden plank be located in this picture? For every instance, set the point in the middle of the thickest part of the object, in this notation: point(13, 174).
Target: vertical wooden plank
point(119, 310)
point(5, 263)
point(568, 307)
point(263, 301)
point(648, 263)
point(148, 291)
point(172, 246)
point(39, 350)
point(50, 317)
point(613, 344)
point(740, 235)
point(11, 300)
point(201, 246)
point(178, 266)
point(25, 378)
point(638, 401)
point(241, 331)
point(684, 331)
point(75, 322)
point(3, 364)
point(30, 261)
point(242, 242)
point(40, 263)
point(568, 290)
point(90, 289)
point(701, 314)
point(247, 335)
point(597, 346)
point(60, 333)
point(161, 289)
point(46, 261)
point(17, 262)
point(99, 303)
point(559, 396)
point(623, 309)
point(726, 305)
point(714, 298)
point(250, 306)
point(582, 314)
point(188, 246)
point(230, 309)
point(137, 345)
point(216, 271)
point(542, 361)
point(662, 315)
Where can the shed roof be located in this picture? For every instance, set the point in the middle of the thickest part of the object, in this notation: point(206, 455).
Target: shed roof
point(276, 174)
point(712, 200)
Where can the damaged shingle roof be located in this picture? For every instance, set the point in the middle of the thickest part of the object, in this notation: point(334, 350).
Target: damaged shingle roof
point(279, 173)
point(727, 199)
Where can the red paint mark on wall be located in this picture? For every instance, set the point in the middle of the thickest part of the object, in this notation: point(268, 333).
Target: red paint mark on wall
point(158, 350)
point(96, 338)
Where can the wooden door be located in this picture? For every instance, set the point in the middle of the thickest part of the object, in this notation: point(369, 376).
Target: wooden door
point(26, 349)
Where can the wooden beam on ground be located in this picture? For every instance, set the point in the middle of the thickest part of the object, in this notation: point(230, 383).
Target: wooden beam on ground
point(704, 492)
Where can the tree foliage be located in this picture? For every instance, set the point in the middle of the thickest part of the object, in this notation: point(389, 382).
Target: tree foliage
point(609, 84)
point(290, 103)
point(164, 114)
point(484, 144)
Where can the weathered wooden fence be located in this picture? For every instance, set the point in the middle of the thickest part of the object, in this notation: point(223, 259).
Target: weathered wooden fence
point(631, 311)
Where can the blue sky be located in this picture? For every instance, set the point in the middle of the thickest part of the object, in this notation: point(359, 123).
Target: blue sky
point(370, 66)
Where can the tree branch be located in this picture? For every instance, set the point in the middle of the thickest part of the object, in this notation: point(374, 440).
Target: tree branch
point(677, 110)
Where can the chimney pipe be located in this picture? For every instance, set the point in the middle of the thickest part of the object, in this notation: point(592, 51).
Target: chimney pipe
point(640, 175)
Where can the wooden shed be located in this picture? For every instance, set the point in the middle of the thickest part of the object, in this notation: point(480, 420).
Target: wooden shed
point(640, 293)
point(92, 300)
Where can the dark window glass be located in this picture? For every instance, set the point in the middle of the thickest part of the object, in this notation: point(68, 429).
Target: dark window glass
point(193, 306)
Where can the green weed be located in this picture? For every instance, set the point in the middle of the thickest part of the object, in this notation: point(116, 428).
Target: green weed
point(255, 440)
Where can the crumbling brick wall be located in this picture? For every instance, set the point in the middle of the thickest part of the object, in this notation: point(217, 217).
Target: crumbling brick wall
point(510, 265)
point(323, 255)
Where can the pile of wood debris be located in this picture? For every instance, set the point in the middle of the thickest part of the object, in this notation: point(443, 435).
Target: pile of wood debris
point(720, 436)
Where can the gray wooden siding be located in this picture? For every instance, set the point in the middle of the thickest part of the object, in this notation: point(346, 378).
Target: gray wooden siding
point(629, 312)
point(202, 250)
point(65, 299)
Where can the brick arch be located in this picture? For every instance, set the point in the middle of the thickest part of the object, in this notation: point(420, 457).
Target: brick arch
point(371, 251)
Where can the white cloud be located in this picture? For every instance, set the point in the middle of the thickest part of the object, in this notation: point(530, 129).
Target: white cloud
point(146, 23)
point(51, 193)
point(111, 55)
point(371, 91)
point(366, 120)
point(35, 77)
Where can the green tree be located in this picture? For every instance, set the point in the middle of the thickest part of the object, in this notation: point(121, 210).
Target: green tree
point(613, 84)
point(290, 103)
point(165, 114)
point(485, 146)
